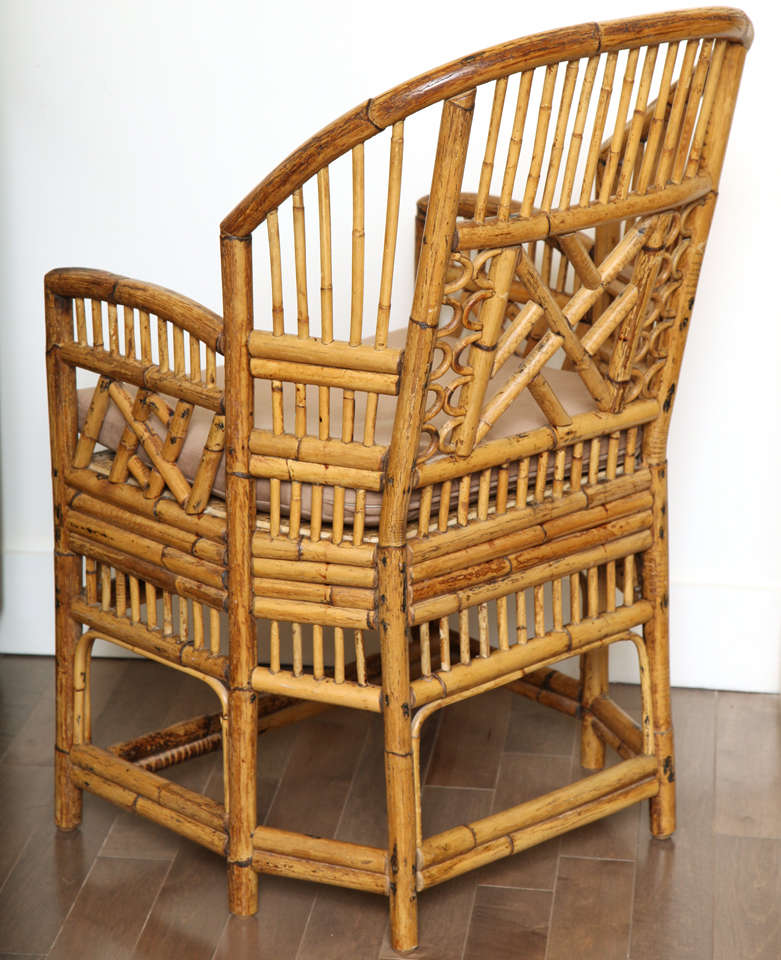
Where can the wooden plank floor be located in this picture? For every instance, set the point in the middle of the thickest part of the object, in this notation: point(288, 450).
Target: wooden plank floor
point(121, 887)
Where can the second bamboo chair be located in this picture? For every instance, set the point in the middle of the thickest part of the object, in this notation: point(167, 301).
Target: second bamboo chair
point(483, 491)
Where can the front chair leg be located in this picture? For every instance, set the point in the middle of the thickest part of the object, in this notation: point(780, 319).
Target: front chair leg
point(656, 634)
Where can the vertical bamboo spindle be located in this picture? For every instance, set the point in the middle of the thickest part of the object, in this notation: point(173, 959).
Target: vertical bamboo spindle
point(392, 554)
point(241, 748)
point(277, 415)
point(712, 158)
point(61, 381)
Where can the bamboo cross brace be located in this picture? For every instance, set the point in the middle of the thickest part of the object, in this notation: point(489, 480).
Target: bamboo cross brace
point(149, 440)
point(559, 324)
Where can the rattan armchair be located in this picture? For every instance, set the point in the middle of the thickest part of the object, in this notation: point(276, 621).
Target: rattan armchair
point(395, 520)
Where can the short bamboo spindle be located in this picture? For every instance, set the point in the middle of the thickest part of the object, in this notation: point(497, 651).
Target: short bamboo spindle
point(392, 585)
point(241, 748)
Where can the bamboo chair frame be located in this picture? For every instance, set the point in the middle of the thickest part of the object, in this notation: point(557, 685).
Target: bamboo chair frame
point(594, 258)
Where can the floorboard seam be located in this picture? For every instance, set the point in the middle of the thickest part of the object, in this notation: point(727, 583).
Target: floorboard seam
point(163, 882)
point(72, 905)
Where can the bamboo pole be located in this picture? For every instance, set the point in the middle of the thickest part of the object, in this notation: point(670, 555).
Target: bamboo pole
point(522, 839)
point(399, 772)
point(61, 383)
point(324, 689)
point(241, 749)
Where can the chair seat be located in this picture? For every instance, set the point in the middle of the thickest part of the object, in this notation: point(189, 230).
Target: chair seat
point(522, 417)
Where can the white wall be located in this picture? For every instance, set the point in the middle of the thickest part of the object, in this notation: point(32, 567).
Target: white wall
point(129, 129)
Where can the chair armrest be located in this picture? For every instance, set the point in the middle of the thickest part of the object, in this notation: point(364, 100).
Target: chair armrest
point(148, 357)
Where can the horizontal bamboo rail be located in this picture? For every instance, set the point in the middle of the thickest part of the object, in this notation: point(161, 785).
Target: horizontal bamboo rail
point(160, 555)
point(301, 373)
point(149, 572)
point(283, 865)
point(338, 353)
point(531, 555)
point(176, 735)
point(325, 474)
point(541, 226)
point(521, 657)
point(323, 690)
point(334, 574)
point(267, 546)
point(516, 840)
point(528, 536)
point(191, 738)
point(458, 840)
point(299, 611)
point(494, 453)
point(150, 528)
point(548, 698)
point(325, 593)
point(195, 806)
point(147, 376)
point(169, 817)
point(132, 499)
point(456, 539)
point(321, 849)
point(141, 638)
point(314, 450)
point(441, 606)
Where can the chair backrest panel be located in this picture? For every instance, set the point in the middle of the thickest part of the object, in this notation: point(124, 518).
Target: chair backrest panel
point(592, 179)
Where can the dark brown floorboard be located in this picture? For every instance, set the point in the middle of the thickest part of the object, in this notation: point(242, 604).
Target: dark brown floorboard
point(508, 924)
point(673, 908)
point(110, 910)
point(748, 897)
point(592, 910)
point(748, 788)
point(122, 887)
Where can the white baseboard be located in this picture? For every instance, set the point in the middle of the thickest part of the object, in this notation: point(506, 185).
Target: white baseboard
point(724, 637)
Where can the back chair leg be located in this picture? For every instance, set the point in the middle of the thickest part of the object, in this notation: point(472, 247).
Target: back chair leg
point(67, 796)
point(240, 796)
point(594, 681)
point(656, 633)
point(399, 765)
point(594, 672)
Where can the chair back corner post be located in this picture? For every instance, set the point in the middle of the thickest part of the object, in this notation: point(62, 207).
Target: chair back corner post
point(392, 611)
point(63, 424)
point(241, 749)
point(656, 558)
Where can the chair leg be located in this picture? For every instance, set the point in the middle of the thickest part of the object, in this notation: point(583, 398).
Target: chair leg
point(594, 681)
point(656, 633)
point(594, 676)
point(399, 768)
point(241, 797)
point(67, 796)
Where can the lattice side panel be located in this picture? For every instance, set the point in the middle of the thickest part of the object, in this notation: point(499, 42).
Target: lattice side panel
point(157, 384)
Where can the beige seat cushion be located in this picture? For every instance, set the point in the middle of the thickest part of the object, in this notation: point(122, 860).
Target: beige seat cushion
point(523, 416)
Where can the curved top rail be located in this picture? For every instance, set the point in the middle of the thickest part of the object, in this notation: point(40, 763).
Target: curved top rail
point(453, 78)
point(202, 323)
